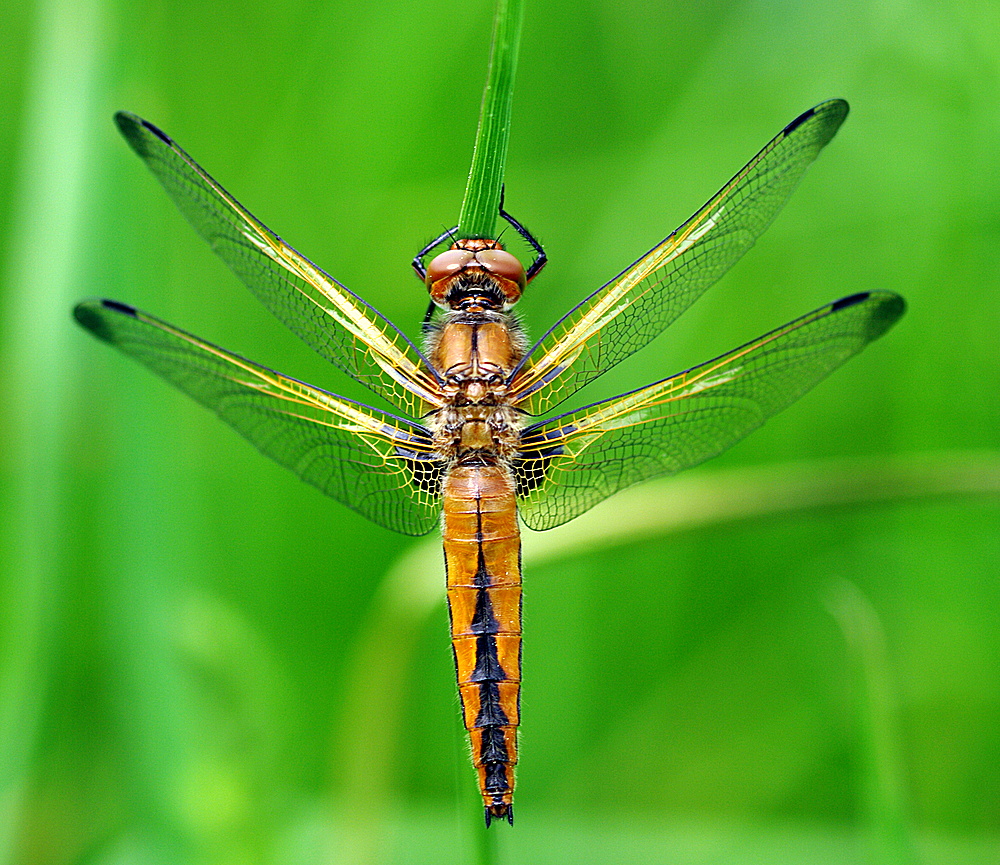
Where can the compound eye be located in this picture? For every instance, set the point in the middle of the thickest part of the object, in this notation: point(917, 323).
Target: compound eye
point(447, 264)
point(501, 263)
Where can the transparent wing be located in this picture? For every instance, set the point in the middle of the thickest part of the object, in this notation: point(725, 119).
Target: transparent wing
point(636, 306)
point(335, 322)
point(569, 464)
point(379, 465)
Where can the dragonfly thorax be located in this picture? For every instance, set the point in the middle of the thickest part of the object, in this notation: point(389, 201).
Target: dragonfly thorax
point(475, 354)
point(487, 434)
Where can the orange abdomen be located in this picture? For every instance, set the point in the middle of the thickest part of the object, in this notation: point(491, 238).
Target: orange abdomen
point(482, 547)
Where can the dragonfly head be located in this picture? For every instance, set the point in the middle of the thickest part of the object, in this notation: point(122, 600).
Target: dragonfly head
point(476, 272)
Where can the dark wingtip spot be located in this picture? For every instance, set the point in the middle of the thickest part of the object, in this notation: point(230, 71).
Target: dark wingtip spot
point(798, 121)
point(159, 133)
point(119, 307)
point(885, 309)
point(851, 300)
point(837, 108)
point(134, 129)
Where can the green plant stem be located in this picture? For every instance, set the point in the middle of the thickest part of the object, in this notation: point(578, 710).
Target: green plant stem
point(483, 189)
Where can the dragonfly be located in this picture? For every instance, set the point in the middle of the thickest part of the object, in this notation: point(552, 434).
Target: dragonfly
point(477, 447)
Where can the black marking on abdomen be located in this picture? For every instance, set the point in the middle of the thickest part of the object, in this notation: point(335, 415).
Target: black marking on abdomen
point(487, 673)
point(490, 712)
point(484, 621)
point(482, 577)
point(496, 778)
point(488, 667)
point(494, 748)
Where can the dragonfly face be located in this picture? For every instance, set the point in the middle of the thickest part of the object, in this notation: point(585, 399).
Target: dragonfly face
point(476, 275)
point(462, 453)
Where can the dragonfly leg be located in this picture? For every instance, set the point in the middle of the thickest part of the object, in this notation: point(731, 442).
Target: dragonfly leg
point(418, 259)
point(426, 323)
point(540, 257)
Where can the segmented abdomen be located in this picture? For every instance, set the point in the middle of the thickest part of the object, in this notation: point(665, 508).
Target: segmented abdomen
point(482, 548)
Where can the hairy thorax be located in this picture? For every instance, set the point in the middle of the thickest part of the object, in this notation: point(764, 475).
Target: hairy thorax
point(475, 353)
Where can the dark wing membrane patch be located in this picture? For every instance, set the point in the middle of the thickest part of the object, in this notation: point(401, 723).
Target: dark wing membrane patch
point(627, 313)
point(426, 471)
point(571, 463)
point(539, 447)
point(328, 317)
point(380, 465)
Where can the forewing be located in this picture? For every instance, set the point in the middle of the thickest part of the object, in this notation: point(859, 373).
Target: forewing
point(569, 464)
point(636, 306)
point(332, 320)
point(379, 465)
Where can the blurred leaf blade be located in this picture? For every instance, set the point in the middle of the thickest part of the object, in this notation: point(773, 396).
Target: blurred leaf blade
point(52, 203)
point(890, 830)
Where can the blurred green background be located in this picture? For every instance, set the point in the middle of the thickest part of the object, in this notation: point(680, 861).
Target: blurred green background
point(205, 661)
